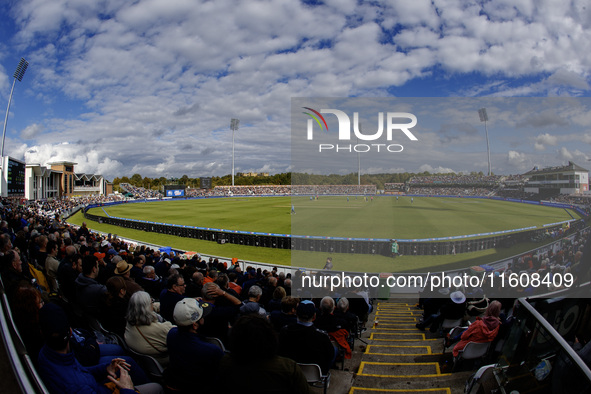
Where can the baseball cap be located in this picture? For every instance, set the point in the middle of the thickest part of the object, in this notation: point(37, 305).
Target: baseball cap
point(306, 309)
point(187, 311)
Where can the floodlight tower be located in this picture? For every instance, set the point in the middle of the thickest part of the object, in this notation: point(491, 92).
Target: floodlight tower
point(18, 74)
point(233, 126)
point(358, 163)
point(484, 118)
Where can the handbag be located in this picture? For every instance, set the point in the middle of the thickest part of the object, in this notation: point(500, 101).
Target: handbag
point(150, 343)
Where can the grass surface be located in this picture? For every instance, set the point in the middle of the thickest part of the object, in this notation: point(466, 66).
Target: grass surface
point(384, 217)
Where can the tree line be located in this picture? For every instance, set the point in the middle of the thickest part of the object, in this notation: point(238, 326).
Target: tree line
point(286, 178)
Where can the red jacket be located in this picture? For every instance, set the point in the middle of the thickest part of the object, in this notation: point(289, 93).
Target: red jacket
point(482, 330)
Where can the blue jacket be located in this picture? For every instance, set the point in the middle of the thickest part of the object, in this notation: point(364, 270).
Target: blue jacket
point(62, 373)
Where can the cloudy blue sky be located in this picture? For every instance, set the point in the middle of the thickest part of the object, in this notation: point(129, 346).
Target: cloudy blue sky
point(150, 86)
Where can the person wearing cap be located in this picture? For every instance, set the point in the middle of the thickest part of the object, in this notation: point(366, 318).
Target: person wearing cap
point(192, 360)
point(304, 343)
point(163, 266)
point(251, 279)
point(123, 270)
point(62, 373)
point(454, 308)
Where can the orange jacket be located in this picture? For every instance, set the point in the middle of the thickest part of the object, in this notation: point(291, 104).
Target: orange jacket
point(340, 337)
point(482, 330)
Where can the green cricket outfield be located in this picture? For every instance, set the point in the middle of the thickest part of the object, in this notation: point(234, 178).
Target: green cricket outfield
point(384, 217)
point(380, 217)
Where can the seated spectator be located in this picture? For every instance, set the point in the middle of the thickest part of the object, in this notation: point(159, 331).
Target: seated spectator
point(211, 276)
point(326, 320)
point(67, 272)
point(89, 293)
point(162, 267)
point(143, 332)
point(482, 330)
point(453, 308)
point(269, 286)
point(62, 373)
point(174, 292)
point(333, 325)
point(52, 265)
point(249, 280)
point(342, 312)
point(225, 310)
point(233, 282)
point(151, 282)
point(25, 305)
point(287, 314)
point(13, 273)
point(137, 271)
point(304, 343)
point(195, 285)
point(275, 303)
point(251, 305)
point(223, 281)
point(254, 362)
point(192, 360)
point(114, 306)
point(359, 306)
point(123, 270)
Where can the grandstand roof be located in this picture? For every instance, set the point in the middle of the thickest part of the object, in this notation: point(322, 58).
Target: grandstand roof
point(549, 170)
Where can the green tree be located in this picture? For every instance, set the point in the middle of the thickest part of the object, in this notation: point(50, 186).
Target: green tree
point(136, 180)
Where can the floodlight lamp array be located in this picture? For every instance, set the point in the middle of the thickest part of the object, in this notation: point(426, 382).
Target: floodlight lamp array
point(21, 69)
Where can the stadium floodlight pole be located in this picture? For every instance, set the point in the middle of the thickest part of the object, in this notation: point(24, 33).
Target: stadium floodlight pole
point(358, 163)
point(18, 74)
point(234, 126)
point(484, 118)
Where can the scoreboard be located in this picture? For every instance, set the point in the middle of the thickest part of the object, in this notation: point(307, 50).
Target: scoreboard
point(14, 174)
point(205, 182)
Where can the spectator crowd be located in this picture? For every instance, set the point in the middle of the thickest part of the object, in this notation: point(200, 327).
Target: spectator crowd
point(80, 300)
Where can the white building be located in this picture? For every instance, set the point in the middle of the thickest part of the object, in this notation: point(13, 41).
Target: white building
point(569, 179)
point(41, 182)
point(60, 180)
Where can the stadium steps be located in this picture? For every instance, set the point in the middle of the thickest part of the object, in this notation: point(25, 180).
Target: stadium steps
point(399, 358)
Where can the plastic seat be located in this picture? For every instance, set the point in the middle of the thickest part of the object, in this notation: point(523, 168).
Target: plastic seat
point(314, 376)
point(472, 351)
point(451, 323)
point(149, 364)
point(217, 342)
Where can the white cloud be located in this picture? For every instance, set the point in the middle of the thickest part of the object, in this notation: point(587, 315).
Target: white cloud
point(516, 158)
point(434, 170)
point(564, 154)
point(150, 86)
point(31, 131)
point(545, 139)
